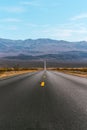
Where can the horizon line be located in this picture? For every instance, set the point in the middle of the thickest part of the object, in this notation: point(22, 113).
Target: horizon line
point(41, 39)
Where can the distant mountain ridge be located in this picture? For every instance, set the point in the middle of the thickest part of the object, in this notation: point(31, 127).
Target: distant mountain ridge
point(65, 56)
point(43, 49)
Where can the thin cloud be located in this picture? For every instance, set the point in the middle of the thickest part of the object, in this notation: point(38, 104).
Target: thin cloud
point(10, 20)
point(13, 9)
point(79, 17)
point(13, 28)
point(31, 3)
point(10, 28)
point(37, 25)
point(67, 32)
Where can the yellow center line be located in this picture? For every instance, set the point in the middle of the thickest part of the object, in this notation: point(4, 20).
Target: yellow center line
point(42, 84)
point(44, 76)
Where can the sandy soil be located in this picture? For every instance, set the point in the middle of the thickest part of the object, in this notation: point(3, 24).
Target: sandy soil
point(81, 74)
point(13, 73)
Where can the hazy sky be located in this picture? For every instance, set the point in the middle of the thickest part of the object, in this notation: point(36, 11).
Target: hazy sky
point(56, 19)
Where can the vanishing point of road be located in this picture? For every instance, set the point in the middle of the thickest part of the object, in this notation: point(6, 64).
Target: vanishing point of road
point(43, 100)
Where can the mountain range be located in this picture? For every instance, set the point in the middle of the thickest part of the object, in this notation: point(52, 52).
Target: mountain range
point(39, 49)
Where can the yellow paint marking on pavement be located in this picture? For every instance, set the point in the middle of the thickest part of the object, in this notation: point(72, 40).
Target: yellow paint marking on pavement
point(44, 76)
point(42, 84)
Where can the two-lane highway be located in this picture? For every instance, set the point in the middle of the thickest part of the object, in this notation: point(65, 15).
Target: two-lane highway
point(43, 100)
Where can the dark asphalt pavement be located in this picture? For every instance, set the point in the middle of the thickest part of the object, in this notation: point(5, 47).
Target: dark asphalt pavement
point(60, 105)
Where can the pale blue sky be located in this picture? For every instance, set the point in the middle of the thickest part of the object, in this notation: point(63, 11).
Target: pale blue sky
point(55, 19)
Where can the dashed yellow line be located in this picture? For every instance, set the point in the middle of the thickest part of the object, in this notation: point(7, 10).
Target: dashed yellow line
point(44, 76)
point(42, 84)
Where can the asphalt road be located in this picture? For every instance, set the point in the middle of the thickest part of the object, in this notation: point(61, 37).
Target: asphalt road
point(59, 105)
